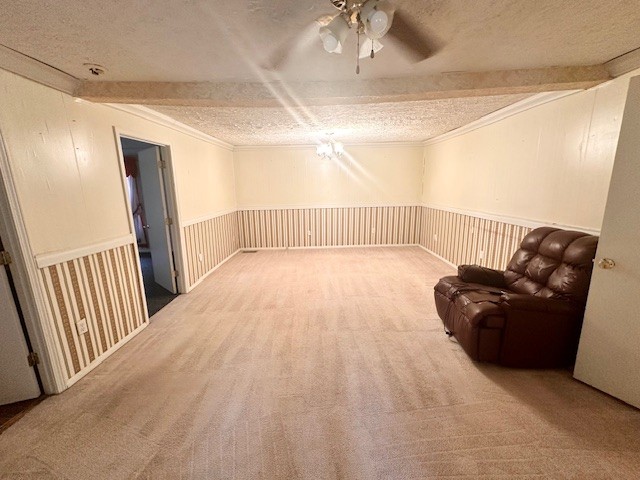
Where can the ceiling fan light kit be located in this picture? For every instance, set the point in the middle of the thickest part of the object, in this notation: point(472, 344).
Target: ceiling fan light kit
point(370, 18)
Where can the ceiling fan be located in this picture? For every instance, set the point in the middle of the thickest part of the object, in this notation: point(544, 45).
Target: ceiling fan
point(371, 20)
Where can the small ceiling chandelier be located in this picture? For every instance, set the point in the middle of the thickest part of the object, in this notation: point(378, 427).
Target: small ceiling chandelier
point(330, 149)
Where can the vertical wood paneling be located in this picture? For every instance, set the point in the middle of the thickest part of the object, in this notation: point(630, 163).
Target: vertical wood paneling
point(464, 239)
point(210, 242)
point(328, 227)
point(102, 288)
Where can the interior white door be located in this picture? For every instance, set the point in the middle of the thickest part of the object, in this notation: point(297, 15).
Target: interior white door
point(608, 356)
point(17, 379)
point(155, 209)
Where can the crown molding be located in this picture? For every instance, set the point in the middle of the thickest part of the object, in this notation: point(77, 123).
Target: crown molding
point(32, 69)
point(514, 109)
point(320, 206)
point(166, 121)
point(242, 148)
point(624, 63)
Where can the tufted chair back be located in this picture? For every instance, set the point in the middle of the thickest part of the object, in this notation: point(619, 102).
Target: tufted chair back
point(553, 263)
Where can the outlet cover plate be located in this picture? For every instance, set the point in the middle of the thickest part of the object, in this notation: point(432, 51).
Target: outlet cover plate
point(82, 326)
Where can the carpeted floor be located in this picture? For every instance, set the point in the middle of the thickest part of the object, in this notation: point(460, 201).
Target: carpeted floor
point(318, 364)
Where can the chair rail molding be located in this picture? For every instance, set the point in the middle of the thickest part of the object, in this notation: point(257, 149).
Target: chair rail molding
point(48, 259)
point(523, 222)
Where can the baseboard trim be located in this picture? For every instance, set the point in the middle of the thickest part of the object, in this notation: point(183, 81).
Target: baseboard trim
point(438, 257)
point(81, 374)
point(203, 277)
point(330, 247)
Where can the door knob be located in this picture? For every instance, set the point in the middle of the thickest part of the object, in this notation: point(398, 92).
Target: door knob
point(606, 263)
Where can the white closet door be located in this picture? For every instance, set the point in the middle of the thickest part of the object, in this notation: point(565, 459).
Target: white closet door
point(609, 353)
point(17, 379)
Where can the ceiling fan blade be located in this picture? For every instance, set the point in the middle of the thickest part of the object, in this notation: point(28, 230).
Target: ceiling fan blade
point(417, 45)
point(296, 44)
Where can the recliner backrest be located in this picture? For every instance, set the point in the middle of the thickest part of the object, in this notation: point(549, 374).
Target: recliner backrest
point(553, 263)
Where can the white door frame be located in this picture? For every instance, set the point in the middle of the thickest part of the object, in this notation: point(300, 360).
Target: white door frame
point(26, 276)
point(171, 197)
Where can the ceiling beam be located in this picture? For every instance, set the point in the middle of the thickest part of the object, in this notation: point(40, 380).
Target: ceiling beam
point(624, 63)
point(278, 93)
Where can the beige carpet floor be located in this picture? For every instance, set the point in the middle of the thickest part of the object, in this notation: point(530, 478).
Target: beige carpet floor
point(318, 364)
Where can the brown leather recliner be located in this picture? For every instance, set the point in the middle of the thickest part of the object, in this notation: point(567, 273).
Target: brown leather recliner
point(529, 315)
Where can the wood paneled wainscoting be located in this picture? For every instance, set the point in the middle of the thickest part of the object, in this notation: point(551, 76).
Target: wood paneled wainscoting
point(102, 288)
point(329, 227)
point(209, 243)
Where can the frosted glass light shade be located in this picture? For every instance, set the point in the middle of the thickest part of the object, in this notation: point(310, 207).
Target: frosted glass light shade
point(330, 42)
point(334, 34)
point(378, 17)
point(378, 22)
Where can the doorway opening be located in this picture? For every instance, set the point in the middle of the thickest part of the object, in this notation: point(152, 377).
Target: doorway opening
point(148, 190)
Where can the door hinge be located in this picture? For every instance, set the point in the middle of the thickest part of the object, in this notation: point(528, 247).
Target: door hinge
point(175, 274)
point(168, 221)
point(33, 359)
point(162, 164)
point(5, 258)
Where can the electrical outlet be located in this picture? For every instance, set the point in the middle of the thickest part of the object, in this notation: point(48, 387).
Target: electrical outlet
point(200, 257)
point(81, 325)
point(481, 254)
point(435, 237)
point(309, 233)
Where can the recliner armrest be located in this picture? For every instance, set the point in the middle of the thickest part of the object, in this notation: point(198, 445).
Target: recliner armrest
point(482, 275)
point(520, 301)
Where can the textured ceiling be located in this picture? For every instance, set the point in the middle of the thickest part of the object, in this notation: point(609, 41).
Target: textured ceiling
point(204, 40)
point(383, 122)
point(231, 41)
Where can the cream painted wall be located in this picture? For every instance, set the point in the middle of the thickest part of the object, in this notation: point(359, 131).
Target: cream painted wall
point(550, 164)
point(290, 177)
point(64, 159)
